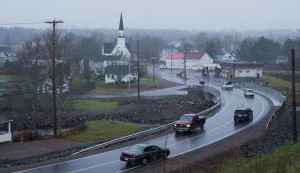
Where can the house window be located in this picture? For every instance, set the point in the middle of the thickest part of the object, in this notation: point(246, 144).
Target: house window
point(240, 71)
point(248, 71)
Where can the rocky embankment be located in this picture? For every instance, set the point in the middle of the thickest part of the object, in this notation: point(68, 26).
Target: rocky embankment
point(275, 137)
point(162, 110)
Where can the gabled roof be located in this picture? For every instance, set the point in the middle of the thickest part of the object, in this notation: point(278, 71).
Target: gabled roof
point(7, 51)
point(128, 47)
point(175, 56)
point(108, 47)
point(116, 69)
point(194, 55)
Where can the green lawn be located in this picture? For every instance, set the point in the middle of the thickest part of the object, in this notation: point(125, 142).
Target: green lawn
point(100, 131)
point(4, 78)
point(94, 105)
point(113, 89)
point(286, 160)
point(283, 86)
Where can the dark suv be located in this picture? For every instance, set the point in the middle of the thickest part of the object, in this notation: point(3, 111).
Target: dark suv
point(243, 114)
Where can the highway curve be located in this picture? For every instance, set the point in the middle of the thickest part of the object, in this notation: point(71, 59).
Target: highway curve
point(220, 126)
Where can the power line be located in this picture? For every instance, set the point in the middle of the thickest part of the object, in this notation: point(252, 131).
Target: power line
point(24, 23)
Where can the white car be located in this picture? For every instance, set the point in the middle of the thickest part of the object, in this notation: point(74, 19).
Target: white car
point(227, 86)
point(162, 66)
point(248, 93)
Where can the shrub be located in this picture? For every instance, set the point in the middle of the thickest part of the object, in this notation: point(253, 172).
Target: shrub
point(26, 135)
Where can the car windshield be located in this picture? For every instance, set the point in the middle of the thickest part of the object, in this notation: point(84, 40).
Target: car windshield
point(249, 91)
point(136, 148)
point(186, 118)
point(240, 112)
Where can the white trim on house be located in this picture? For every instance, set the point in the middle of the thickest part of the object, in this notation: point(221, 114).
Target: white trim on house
point(6, 136)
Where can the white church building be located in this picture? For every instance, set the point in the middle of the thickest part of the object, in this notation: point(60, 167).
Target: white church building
point(115, 57)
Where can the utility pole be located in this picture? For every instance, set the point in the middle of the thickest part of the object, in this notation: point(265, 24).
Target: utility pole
point(153, 61)
point(171, 63)
point(184, 66)
point(186, 47)
point(294, 96)
point(129, 78)
point(138, 65)
point(53, 77)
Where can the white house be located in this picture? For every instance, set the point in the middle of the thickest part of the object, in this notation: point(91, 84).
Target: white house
point(226, 57)
point(194, 61)
point(6, 54)
point(282, 60)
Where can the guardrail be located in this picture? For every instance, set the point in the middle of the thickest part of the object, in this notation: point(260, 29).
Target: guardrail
point(272, 94)
point(215, 92)
point(266, 91)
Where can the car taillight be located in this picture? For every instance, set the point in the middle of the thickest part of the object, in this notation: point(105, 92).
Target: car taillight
point(246, 115)
point(122, 154)
point(133, 156)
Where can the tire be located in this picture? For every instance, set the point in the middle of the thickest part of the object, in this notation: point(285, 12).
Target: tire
point(177, 132)
point(202, 126)
point(164, 156)
point(235, 120)
point(144, 161)
point(192, 130)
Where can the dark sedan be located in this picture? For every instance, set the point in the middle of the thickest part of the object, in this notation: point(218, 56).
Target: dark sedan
point(243, 114)
point(144, 153)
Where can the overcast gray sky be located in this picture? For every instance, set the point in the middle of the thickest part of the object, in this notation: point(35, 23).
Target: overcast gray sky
point(156, 14)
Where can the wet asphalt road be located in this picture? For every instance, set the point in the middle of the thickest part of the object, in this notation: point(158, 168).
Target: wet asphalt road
point(218, 127)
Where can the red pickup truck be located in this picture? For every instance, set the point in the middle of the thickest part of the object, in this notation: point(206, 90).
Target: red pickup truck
point(189, 122)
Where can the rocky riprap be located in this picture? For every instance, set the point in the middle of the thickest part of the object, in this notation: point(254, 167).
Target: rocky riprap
point(274, 138)
point(162, 110)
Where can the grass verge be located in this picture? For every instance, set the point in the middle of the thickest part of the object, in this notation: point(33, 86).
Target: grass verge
point(146, 83)
point(100, 131)
point(286, 159)
point(283, 86)
point(100, 104)
point(93, 105)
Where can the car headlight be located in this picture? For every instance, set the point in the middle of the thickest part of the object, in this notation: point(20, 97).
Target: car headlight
point(174, 125)
point(188, 125)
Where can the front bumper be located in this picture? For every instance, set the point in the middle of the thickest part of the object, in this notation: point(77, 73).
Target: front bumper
point(182, 129)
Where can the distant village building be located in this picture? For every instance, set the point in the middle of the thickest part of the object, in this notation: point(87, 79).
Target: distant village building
point(225, 57)
point(282, 60)
point(6, 54)
point(241, 69)
point(165, 52)
point(194, 61)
